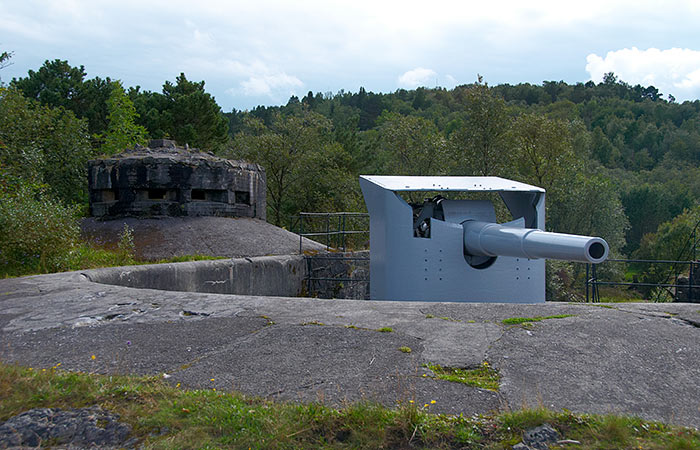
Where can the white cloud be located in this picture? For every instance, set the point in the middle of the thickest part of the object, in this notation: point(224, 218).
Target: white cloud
point(254, 78)
point(268, 46)
point(270, 84)
point(419, 76)
point(673, 71)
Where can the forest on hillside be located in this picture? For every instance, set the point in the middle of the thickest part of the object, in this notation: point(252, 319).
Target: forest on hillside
point(618, 161)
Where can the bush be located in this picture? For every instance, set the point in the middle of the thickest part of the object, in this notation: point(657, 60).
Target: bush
point(36, 233)
point(42, 147)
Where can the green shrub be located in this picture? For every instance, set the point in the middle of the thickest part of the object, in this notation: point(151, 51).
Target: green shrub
point(36, 232)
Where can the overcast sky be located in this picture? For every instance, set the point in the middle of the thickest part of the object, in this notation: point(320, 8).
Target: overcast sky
point(262, 51)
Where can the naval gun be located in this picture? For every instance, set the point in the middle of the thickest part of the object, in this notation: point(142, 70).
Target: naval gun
point(454, 250)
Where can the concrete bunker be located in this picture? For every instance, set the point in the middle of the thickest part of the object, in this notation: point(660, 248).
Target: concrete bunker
point(166, 180)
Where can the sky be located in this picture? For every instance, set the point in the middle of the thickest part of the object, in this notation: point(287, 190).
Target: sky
point(260, 52)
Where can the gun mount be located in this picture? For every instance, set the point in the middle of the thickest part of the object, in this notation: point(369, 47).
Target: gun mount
point(454, 250)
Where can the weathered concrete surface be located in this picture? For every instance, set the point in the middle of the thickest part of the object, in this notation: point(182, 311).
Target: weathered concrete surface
point(280, 275)
point(637, 359)
point(166, 237)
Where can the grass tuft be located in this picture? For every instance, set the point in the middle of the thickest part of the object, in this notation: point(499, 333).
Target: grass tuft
point(521, 320)
point(484, 376)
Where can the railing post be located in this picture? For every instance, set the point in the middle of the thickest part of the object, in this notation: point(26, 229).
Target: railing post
point(344, 249)
point(308, 275)
point(301, 232)
point(690, 283)
point(339, 238)
point(594, 285)
point(587, 280)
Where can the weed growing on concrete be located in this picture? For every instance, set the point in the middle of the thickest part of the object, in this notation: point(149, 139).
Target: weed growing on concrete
point(126, 244)
point(269, 321)
point(484, 376)
point(385, 330)
point(449, 319)
point(520, 320)
point(405, 349)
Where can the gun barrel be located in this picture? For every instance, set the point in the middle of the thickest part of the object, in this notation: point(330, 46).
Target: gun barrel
point(492, 239)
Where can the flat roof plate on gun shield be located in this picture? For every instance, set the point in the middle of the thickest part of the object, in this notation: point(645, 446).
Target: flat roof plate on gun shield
point(464, 184)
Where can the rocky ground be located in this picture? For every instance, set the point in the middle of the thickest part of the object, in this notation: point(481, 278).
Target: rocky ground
point(639, 359)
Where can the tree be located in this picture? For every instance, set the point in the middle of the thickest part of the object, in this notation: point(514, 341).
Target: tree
point(589, 205)
point(5, 59)
point(543, 150)
point(675, 240)
point(481, 146)
point(122, 131)
point(57, 83)
point(648, 205)
point(413, 145)
point(43, 154)
point(41, 147)
point(304, 167)
point(184, 112)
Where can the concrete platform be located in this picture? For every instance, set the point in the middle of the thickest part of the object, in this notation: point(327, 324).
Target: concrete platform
point(167, 237)
point(640, 359)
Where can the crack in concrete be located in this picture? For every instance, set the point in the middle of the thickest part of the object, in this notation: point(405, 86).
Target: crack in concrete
point(662, 315)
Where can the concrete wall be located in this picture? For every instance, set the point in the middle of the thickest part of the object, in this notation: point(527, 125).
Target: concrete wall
point(166, 180)
point(265, 275)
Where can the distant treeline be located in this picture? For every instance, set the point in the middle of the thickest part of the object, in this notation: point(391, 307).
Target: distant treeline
point(617, 160)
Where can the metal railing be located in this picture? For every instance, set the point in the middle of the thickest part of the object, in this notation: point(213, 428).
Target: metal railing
point(674, 273)
point(342, 233)
point(337, 228)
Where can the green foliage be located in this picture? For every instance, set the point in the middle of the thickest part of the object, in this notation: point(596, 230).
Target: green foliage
point(525, 419)
point(122, 131)
point(5, 59)
point(520, 320)
point(484, 376)
point(480, 146)
point(126, 245)
point(305, 169)
point(588, 205)
point(42, 147)
point(58, 84)
point(184, 112)
point(648, 205)
point(675, 240)
point(620, 148)
point(413, 145)
point(36, 232)
point(544, 153)
point(163, 416)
